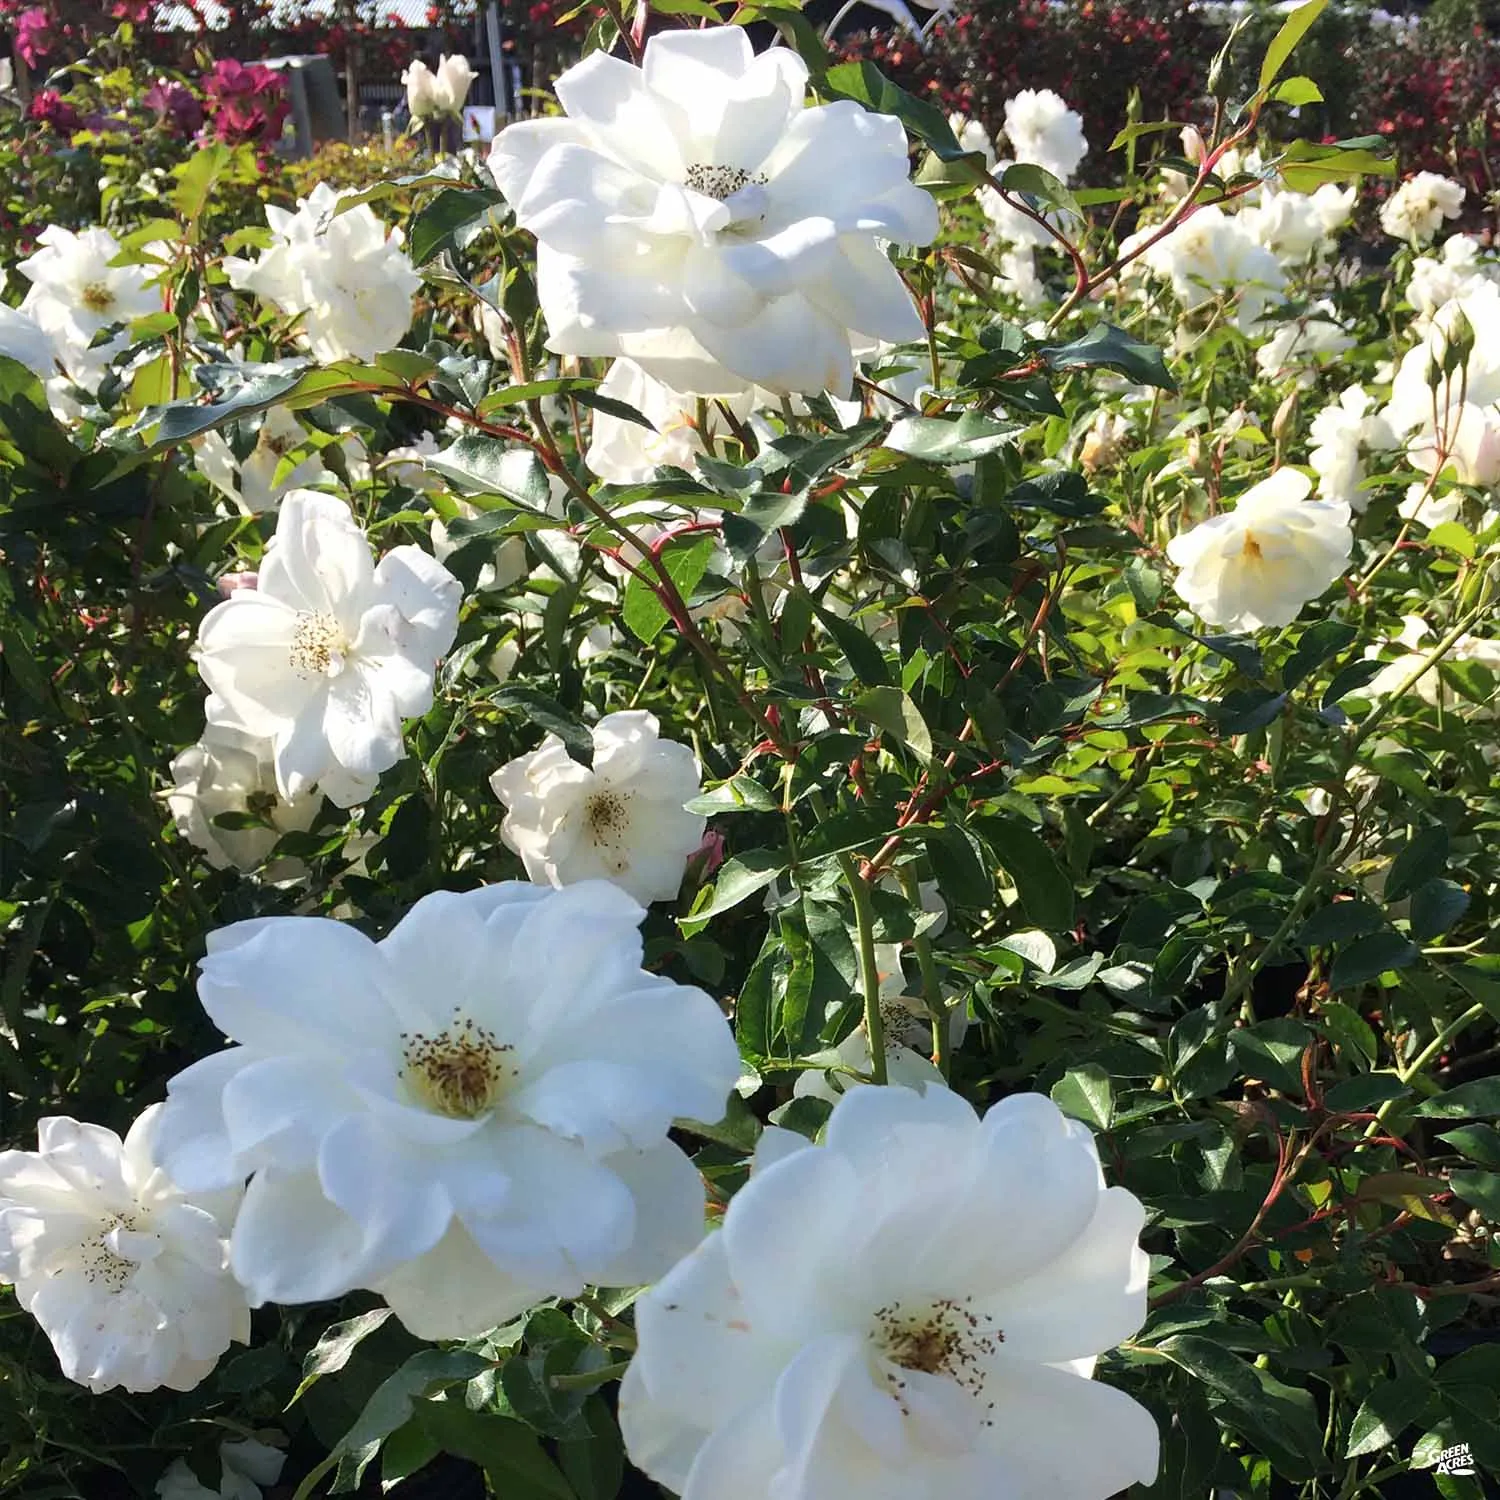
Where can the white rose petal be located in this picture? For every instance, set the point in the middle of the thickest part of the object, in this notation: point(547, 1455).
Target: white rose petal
point(913, 1308)
point(466, 1117)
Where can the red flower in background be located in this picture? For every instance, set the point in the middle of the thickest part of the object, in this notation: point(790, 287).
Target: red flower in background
point(246, 103)
point(50, 108)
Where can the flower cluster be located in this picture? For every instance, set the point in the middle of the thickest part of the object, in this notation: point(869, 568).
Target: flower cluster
point(245, 103)
point(723, 763)
point(343, 274)
point(437, 95)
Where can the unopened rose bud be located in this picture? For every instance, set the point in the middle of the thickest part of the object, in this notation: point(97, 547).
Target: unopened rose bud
point(708, 856)
point(451, 86)
point(1281, 424)
point(1194, 147)
point(420, 90)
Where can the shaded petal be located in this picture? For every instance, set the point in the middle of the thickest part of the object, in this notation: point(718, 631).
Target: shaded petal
point(864, 291)
point(362, 724)
point(1087, 1300)
point(1036, 1425)
point(739, 1461)
point(611, 98)
point(563, 1218)
point(277, 1109)
point(669, 1213)
point(792, 348)
point(518, 148)
point(290, 1244)
point(455, 1291)
point(786, 1237)
point(388, 1188)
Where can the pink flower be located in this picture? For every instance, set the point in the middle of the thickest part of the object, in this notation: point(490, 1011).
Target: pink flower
point(232, 583)
point(34, 39)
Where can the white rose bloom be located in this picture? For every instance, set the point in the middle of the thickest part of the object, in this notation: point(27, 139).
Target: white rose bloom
point(972, 136)
point(1431, 508)
point(329, 652)
point(1416, 210)
point(127, 1274)
point(252, 486)
point(1342, 434)
point(1430, 687)
point(1296, 226)
point(1459, 269)
point(466, 1117)
point(1018, 276)
point(420, 85)
point(1299, 345)
point(346, 277)
point(1210, 255)
point(451, 86)
point(23, 339)
point(227, 772)
point(1258, 564)
point(913, 1308)
point(622, 452)
point(1466, 402)
point(1044, 131)
point(76, 293)
point(1466, 447)
point(692, 215)
point(244, 1467)
point(622, 820)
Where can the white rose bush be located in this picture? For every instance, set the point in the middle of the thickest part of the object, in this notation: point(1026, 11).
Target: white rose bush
point(755, 799)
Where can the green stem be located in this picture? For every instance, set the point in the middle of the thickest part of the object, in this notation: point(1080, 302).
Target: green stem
point(588, 1380)
point(864, 924)
point(932, 991)
point(309, 1484)
point(864, 927)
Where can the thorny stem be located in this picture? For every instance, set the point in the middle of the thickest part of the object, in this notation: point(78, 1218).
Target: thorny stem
point(632, 42)
point(1084, 284)
point(664, 586)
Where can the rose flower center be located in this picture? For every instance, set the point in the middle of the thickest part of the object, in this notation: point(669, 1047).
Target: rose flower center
point(318, 644)
point(461, 1071)
point(945, 1338)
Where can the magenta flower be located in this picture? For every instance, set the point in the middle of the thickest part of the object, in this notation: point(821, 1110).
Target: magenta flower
point(246, 103)
point(34, 39)
point(50, 108)
point(176, 107)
